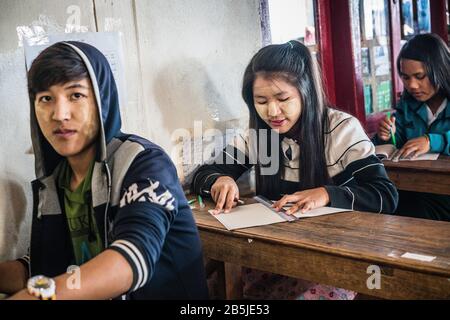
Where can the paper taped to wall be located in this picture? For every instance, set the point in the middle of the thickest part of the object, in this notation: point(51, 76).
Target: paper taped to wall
point(109, 43)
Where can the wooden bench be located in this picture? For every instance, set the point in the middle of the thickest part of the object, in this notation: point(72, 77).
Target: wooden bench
point(337, 250)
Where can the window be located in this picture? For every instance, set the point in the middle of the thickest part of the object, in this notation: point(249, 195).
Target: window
point(415, 17)
point(447, 4)
point(375, 55)
point(288, 20)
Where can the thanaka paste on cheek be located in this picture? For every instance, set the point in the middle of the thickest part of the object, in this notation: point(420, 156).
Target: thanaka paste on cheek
point(291, 109)
point(262, 110)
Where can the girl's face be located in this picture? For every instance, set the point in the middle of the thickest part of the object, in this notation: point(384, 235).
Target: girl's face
point(277, 102)
point(415, 80)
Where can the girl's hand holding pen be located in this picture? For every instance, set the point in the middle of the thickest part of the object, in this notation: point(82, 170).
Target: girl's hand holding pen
point(225, 194)
point(411, 149)
point(386, 128)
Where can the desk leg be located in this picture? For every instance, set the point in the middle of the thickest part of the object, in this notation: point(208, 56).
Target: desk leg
point(215, 276)
point(233, 281)
point(228, 284)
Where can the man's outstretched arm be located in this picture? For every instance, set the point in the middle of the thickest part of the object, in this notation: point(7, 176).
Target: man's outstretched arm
point(106, 276)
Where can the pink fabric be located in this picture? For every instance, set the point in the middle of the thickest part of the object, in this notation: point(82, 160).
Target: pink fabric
point(265, 285)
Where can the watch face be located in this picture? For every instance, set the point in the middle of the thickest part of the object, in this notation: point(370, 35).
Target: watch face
point(42, 283)
point(42, 287)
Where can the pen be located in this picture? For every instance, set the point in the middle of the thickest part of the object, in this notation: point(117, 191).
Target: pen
point(392, 135)
point(200, 202)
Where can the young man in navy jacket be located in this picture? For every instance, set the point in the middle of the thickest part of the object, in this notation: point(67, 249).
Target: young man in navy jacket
point(105, 201)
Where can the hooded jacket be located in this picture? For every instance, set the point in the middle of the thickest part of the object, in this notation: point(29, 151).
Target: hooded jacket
point(139, 206)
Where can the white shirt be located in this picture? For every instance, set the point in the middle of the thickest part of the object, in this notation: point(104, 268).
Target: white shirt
point(432, 117)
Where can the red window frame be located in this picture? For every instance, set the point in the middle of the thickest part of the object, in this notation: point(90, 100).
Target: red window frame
point(338, 61)
point(439, 18)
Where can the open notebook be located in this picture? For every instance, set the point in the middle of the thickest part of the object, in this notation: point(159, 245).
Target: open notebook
point(253, 215)
point(389, 152)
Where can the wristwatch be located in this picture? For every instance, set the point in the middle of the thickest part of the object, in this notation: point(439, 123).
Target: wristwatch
point(42, 287)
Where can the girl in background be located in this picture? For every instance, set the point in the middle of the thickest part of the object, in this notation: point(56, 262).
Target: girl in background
point(421, 123)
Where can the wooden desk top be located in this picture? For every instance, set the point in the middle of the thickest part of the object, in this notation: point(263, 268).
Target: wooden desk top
point(441, 165)
point(421, 176)
point(375, 238)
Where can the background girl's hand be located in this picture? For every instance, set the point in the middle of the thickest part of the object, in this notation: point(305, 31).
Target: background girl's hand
point(414, 147)
point(224, 192)
point(385, 127)
point(304, 200)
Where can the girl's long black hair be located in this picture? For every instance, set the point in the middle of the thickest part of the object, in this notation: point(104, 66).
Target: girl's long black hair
point(293, 63)
point(434, 53)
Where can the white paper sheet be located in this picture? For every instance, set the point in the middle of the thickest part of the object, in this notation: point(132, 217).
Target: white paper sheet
point(319, 212)
point(426, 156)
point(254, 215)
point(389, 152)
point(247, 216)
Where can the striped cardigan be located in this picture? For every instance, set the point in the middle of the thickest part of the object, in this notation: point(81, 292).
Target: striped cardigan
point(359, 179)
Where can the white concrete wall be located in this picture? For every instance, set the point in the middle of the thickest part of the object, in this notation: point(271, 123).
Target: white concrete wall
point(184, 61)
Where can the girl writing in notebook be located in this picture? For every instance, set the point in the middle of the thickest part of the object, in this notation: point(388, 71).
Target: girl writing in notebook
point(421, 123)
point(324, 156)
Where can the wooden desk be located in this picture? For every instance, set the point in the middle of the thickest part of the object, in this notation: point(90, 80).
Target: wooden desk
point(421, 176)
point(337, 250)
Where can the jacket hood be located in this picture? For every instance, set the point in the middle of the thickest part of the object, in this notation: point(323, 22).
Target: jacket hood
point(107, 100)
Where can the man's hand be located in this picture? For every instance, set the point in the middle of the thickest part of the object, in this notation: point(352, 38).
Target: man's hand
point(13, 277)
point(106, 276)
point(414, 148)
point(304, 200)
point(23, 295)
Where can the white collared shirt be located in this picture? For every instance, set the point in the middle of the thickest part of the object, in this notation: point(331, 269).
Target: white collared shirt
point(432, 117)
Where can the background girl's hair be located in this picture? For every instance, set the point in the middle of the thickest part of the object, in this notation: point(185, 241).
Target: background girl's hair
point(434, 53)
point(293, 63)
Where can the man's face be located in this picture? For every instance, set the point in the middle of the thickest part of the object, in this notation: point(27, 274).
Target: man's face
point(68, 117)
